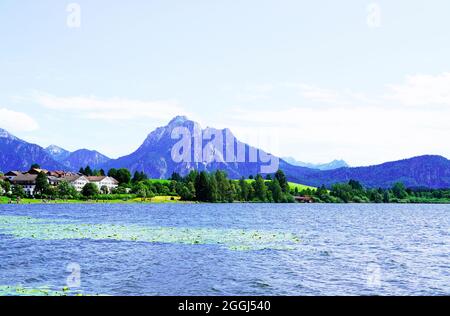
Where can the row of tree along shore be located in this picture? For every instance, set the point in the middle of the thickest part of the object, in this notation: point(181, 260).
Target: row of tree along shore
point(216, 187)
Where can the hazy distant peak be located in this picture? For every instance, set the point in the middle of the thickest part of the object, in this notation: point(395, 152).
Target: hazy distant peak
point(57, 153)
point(55, 149)
point(335, 164)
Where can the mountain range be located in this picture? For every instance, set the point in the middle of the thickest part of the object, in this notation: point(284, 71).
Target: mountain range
point(80, 158)
point(16, 154)
point(335, 164)
point(155, 158)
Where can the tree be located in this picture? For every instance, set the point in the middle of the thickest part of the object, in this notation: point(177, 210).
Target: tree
point(112, 173)
point(88, 171)
point(81, 171)
point(375, 196)
point(102, 172)
point(35, 166)
point(141, 190)
point(277, 192)
point(356, 185)
point(342, 191)
point(192, 176)
point(260, 189)
point(245, 190)
point(51, 192)
point(321, 191)
point(281, 177)
point(104, 189)
point(42, 185)
point(223, 186)
point(5, 187)
point(186, 191)
point(123, 176)
point(213, 190)
point(176, 177)
point(90, 190)
point(399, 190)
point(386, 197)
point(18, 191)
point(66, 190)
point(202, 187)
point(139, 176)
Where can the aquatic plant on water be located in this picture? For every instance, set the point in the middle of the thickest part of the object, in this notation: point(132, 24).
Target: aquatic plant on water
point(19, 290)
point(233, 239)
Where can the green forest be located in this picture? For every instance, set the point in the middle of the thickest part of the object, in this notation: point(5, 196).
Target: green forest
point(216, 187)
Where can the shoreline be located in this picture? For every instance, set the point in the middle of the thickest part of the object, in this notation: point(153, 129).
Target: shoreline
point(135, 201)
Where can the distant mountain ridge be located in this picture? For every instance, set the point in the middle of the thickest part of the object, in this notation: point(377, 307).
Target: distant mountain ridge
point(16, 154)
point(154, 157)
point(57, 153)
point(335, 164)
point(422, 171)
point(83, 158)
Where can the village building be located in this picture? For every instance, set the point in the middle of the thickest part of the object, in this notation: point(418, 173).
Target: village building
point(12, 174)
point(104, 182)
point(27, 181)
point(37, 171)
point(78, 181)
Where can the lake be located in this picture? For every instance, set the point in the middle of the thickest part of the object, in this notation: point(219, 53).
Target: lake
point(227, 249)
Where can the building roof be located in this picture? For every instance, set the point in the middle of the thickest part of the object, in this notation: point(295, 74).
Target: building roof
point(53, 178)
point(56, 173)
point(71, 177)
point(101, 178)
point(13, 173)
point(37, 171)
point(96, 178)
point(24, 178)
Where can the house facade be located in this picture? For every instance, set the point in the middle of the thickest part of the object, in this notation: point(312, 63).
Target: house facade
point(28, 180)
point(12, 174)
point(78, 181)
point(104, 182)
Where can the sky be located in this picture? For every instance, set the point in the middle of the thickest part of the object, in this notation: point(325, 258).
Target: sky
point(363, 81)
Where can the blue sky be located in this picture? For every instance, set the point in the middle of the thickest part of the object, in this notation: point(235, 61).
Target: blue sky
point(365, 81)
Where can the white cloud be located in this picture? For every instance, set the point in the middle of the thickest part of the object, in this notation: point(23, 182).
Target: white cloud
point(327, 96)
point(406, 119)
point(110, 109)
point(255, 92)
point(319, 94)
point(422, 90)
point(17, 121)
point(360, 134)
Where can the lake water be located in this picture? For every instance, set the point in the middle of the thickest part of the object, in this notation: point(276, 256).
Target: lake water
point(228, 249)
